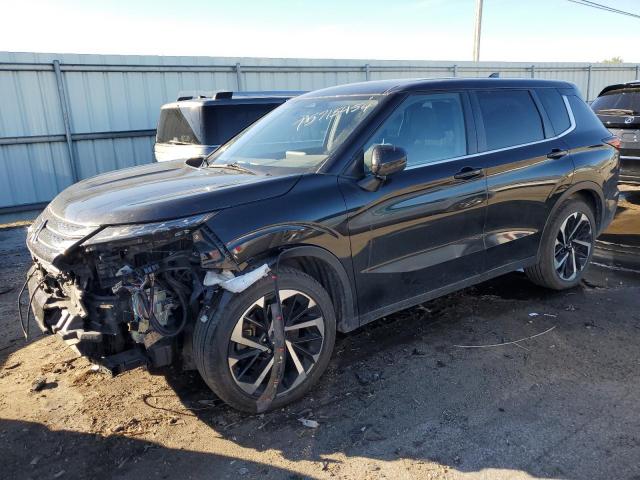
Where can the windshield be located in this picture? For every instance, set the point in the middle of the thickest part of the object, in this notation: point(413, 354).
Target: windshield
point(618, 102)
point(298, 136)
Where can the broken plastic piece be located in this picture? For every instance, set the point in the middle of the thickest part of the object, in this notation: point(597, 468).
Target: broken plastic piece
point(309, 423)
point(237, 284)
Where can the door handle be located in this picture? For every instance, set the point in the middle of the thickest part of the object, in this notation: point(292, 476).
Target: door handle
point(557, 153)
point(468, 173)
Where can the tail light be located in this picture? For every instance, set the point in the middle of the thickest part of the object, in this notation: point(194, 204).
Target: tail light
point(613, 140)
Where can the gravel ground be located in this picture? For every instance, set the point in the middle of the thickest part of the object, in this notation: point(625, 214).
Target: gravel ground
point(402, 397)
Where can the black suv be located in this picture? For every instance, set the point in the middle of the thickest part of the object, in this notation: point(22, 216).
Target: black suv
point(339, 207)
point(195, 126)
point(618, 107)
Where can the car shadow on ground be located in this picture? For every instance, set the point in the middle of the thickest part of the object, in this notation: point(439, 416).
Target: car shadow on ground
point(90, 456)
point(559, 404)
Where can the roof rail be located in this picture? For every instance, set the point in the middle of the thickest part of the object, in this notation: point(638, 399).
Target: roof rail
point(190, 97)
point(225, 94)
point(260, 93)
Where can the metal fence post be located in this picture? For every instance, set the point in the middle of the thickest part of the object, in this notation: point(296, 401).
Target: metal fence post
point(589, 81)
point(64, 107)
point(533, 71)
point(367, 72)
point(239, 77)
point(637, 72)
point(455, 70)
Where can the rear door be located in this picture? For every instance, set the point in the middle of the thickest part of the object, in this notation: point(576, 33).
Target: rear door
point(422, 229)
point(526, 160)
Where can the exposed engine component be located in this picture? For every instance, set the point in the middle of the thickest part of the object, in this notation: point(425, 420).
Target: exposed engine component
point(126, 303)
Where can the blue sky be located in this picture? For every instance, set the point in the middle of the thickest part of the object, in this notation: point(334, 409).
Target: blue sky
point(513, 30)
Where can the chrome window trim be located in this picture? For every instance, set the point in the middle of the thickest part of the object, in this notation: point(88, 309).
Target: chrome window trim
point(571, 128)
point(628, 157)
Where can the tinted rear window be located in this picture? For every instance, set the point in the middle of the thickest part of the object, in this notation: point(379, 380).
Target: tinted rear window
point(208, 124)
point(556, 109)
point(627, 100)
point(223, 122)
point(177, 125)
point(510, 118)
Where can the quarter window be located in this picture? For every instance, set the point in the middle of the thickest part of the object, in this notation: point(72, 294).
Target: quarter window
point(429, 127)
point(556, 109)
point(510, 118)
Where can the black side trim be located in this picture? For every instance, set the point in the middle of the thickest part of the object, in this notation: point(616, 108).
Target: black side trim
point(439, 292)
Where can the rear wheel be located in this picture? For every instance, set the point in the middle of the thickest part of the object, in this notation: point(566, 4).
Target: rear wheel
point(234, 352)
point(566, 247)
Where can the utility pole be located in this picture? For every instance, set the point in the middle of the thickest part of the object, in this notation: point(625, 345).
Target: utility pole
point(476, 38)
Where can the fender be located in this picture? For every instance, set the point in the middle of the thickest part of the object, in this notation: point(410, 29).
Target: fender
point(589, 186)
point(301, 240)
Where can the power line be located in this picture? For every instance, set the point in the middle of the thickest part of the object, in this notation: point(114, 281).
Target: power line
point(606, 8)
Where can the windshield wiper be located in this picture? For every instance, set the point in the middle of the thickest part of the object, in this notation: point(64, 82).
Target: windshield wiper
point(623, 111)
point(232, 166)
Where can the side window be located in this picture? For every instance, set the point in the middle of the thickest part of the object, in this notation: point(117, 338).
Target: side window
point(556, 109)
point(429, 127)
point(510, 117)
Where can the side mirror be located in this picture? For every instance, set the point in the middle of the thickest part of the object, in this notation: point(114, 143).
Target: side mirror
point(385, 160)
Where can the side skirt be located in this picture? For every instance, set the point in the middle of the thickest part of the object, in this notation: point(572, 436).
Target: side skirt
point(439, 292)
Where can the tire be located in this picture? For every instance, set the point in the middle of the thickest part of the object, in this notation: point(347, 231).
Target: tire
point(217, 353)
point(558, 259)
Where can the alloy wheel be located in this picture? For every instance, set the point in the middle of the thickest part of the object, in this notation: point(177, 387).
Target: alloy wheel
point(572, 247)
point(250, 352)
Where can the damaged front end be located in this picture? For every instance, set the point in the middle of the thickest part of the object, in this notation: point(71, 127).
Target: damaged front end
point(126, 295)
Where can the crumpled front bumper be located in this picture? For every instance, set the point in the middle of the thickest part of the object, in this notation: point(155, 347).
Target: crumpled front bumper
point(91, 326)
point(64, 316)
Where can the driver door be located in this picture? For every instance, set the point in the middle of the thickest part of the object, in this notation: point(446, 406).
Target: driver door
point(422, 230)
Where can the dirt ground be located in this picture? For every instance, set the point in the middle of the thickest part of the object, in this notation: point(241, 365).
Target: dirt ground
point(402, 398)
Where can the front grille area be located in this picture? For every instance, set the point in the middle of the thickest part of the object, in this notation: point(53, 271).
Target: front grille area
point(50, 236)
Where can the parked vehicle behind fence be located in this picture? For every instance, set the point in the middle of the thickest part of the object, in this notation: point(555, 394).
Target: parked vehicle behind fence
point(193, 127)
point(340, 207)
point(618, 107)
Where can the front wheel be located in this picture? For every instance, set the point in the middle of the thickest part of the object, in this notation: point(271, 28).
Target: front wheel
point(234, 353)
point(566, 247)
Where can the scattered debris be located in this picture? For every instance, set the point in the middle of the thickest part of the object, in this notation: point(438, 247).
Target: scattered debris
point(243, 471)
point(13, 365)
point(440, 364)
point(35, 460)
point(38, 384)
point(534, 314)
point(309, 423)
point(514, 342)
point(571, 308)
point(117, 428)
point(365, 378)
point(418, 352)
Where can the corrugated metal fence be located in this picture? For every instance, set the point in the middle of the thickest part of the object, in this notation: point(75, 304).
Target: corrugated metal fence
point(66, 117)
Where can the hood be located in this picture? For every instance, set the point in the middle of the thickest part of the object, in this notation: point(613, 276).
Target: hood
point(162, 191)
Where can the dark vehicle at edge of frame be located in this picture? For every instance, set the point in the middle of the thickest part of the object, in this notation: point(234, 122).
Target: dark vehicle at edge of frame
point(618, 107)
point(337, 208)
